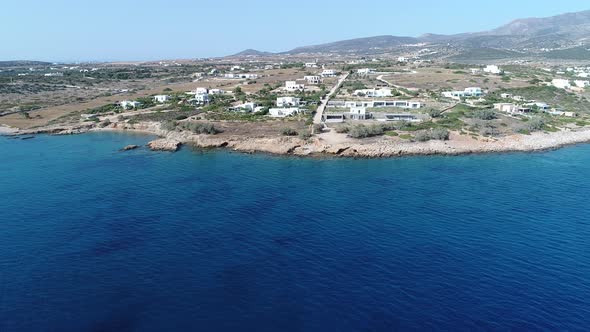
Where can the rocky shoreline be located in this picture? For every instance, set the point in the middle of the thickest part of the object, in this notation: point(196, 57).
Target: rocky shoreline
point(331, 144)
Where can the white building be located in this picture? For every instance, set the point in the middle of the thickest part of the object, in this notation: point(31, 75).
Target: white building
point(129, 104)
point(294, 86)
point(374, 93)
point(201, 98)
point(511, 108)
point(241, 76)
point(402, 59)
point(201, 91)
point(376, 104)
point(216, 92)
point(328, 73)
point(561, 83)
point(288, 101)
point(365, 71)
point(468, 92)
point(358, 113)
point(161, 98)
point(311, 65)
point(582, 84)
point(313, 79)
point(506, 96)
point(493, 69)
point(283, 112)
point(245, 108)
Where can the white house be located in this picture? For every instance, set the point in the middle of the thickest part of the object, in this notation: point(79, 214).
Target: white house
point(288, 101)
point(468, 92)
point(541, 106)
point(311, 65)
point(282, 112)
point(473, 92)
point(506, 95)
point(294, 86)
point(365, 71)
point(328, 73)
point(245, 108)
point(582, 84)
point(201, 98)
point(493, 69)
point(201, 91)
point(561, 83)
point(358, 113)
point(374, 93)
point(128, 104)
point(313, 79)
point(512, 108)
point(402, 59)
point(243, 76)
point(216, 92)
point(161, 98)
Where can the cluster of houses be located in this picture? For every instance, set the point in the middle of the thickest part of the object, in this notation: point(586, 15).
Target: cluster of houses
point(247, 76)
point(570, 85)
point(520, 106)
point(466, 93)
point(583, 72)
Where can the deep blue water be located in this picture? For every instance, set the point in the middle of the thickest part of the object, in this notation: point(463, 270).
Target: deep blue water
point(92, 239)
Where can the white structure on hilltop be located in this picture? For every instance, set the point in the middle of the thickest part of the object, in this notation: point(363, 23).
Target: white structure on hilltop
point(402, 59)
point(328, 73)
point(374, 93)
point(246, 108)
point(161, 98)
point(511, 108)
point(582, 84)
point(288, 102)
point(561, 83)
point(311, 65)
point(493, 69)
point(294, 86)
point(283, 112)
point(128, 104)
point(313, 79)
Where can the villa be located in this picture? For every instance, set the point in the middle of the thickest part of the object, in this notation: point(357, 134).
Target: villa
point(374, 93)
point(493, 69)
point(561, 83)
point(468, 92)
point(294, 86)
point(161, 98)
point(129, 104)
point(288, 101)
point(313, 79)
point(328, 73)
point(283, 112)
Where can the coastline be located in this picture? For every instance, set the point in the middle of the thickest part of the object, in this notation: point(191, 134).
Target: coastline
point(332, 144)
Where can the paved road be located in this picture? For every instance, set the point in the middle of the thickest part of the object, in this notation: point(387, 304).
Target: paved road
point(320, 111)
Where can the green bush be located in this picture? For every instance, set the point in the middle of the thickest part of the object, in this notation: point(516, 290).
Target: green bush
point(362, 131)
point(434, 113)
point(342, 129)
point(484, 114)
point(440, 134)
point(535, 124)
point(168, 125)
point(105, 123)
point(289, 132)
point(199, 127)
point(422, 136)
point(304, 135)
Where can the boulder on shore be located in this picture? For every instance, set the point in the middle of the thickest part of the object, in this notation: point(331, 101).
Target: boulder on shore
point(164, 145)
point(129, 147)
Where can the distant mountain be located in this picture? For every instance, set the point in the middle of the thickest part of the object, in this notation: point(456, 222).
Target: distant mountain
point(252, 52)
point(23, 63)
point(517, 38)
point(356, 45)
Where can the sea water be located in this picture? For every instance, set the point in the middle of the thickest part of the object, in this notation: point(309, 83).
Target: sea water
point(93, 239)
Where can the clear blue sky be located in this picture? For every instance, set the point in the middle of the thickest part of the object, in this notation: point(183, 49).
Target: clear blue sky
point(67, 30)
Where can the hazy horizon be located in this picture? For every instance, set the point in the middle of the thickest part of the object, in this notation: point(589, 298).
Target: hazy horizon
point(64, 31)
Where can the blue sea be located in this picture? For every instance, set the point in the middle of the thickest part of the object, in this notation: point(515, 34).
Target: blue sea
point(93, 239)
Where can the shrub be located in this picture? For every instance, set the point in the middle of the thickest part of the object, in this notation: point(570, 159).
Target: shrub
point(199, 127)
point(342, 129)
point(484, 114)
point(168, 125)
point(105, 123)
point(362, 131)
point(535, 124)
point(318, 127)
point(440, 134)
point(289, 132)
point(422, 136)
point(434, 113)
point(304, 135)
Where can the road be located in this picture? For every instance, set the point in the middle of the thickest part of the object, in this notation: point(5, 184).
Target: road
point(320, 111)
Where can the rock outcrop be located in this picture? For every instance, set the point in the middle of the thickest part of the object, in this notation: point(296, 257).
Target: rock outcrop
point(129, 147)
point(164, 144)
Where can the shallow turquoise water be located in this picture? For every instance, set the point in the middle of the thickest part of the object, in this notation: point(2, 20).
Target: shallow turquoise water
point(95, 240)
